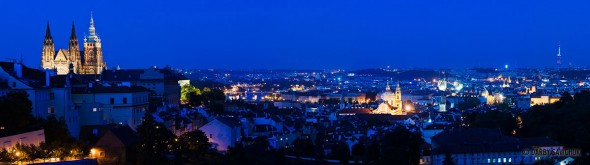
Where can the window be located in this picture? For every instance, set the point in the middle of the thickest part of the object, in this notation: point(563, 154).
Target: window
point(125, 100)
point(94, 109)
point(51, 110)
point(51, 96)
point(112, 100)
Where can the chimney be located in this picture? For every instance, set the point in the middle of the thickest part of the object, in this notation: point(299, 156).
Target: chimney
point(48, 74)
point(18, 69)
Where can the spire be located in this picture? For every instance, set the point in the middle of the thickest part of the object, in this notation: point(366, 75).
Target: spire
point(73, 34)
point(387, 88)
point(48, 37)
point(398, 89)
point(92, 37)
point(91, 20)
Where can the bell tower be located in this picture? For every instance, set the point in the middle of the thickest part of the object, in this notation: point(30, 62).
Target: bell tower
point(93, 63)
point(48, 53)
point(74, 50)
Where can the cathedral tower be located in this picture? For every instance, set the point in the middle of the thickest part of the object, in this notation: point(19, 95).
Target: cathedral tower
point(74, 60)
point(74, 50)
point(48, 50)
point(398, 97)
point(93, 63)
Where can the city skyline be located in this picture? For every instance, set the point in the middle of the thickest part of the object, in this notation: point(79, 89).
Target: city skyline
point(310, 35)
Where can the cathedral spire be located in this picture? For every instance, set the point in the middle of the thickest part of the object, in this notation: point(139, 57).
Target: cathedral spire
point(48, 38)
point(73, 47)
point(92, 37)
point(73, 34)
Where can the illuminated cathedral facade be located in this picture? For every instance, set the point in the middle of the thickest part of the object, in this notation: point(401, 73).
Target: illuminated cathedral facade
point(391, 102)
point(86, 61)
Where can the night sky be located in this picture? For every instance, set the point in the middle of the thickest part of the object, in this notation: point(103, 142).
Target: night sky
point(308, 34)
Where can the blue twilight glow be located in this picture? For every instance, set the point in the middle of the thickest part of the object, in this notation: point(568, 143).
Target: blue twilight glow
point(308, 34)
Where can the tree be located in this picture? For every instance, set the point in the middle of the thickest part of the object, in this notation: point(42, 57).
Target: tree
point(56, 131)
point(448, 159)
point(496, 119)
point(566, 123)
point(358, 151)
point(373, 151)
point(154, 141)
point(188, 94)
point(566, 98)
point(340, 151)
point(401, 146)
point(257, 152)
point(194, 148)
point(468, 103)
point(303, 147)
point(15, 113)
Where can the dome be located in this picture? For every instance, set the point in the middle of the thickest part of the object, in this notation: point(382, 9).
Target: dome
point(387, 95)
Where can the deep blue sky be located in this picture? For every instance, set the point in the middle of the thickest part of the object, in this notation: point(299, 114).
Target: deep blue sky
point(314, 34)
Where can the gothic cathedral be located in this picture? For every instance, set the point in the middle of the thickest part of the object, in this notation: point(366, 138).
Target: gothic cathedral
point(87, 61)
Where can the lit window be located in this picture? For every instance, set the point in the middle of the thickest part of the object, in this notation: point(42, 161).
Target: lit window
point(94, 109)
point(504, 160)
point(51, 110)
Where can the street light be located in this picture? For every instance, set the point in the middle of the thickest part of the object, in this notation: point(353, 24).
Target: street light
point(92, 152)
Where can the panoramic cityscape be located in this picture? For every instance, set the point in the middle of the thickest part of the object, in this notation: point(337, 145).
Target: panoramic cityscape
point(295, 82)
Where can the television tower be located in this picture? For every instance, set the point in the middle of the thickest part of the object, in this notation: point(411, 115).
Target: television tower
point(558, 55)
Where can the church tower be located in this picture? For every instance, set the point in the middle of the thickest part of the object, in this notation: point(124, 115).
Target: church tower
point(74, 50)
point(398, 97)
point(48, 50)
point(93, 63)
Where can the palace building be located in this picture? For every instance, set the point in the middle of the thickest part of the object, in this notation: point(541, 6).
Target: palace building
point(87, 61)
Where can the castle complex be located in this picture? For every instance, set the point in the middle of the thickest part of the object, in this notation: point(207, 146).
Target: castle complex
point(64, 61)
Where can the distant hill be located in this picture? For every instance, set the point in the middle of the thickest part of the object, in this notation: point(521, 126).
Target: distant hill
point(399, 75)
point(485, 70)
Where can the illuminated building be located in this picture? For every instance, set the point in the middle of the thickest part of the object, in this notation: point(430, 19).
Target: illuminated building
point(543, 99)
point(442, 106)
point(442, 85)
point(27, 138)
point(486, 146)
point(392, 102)
point(87, 61)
